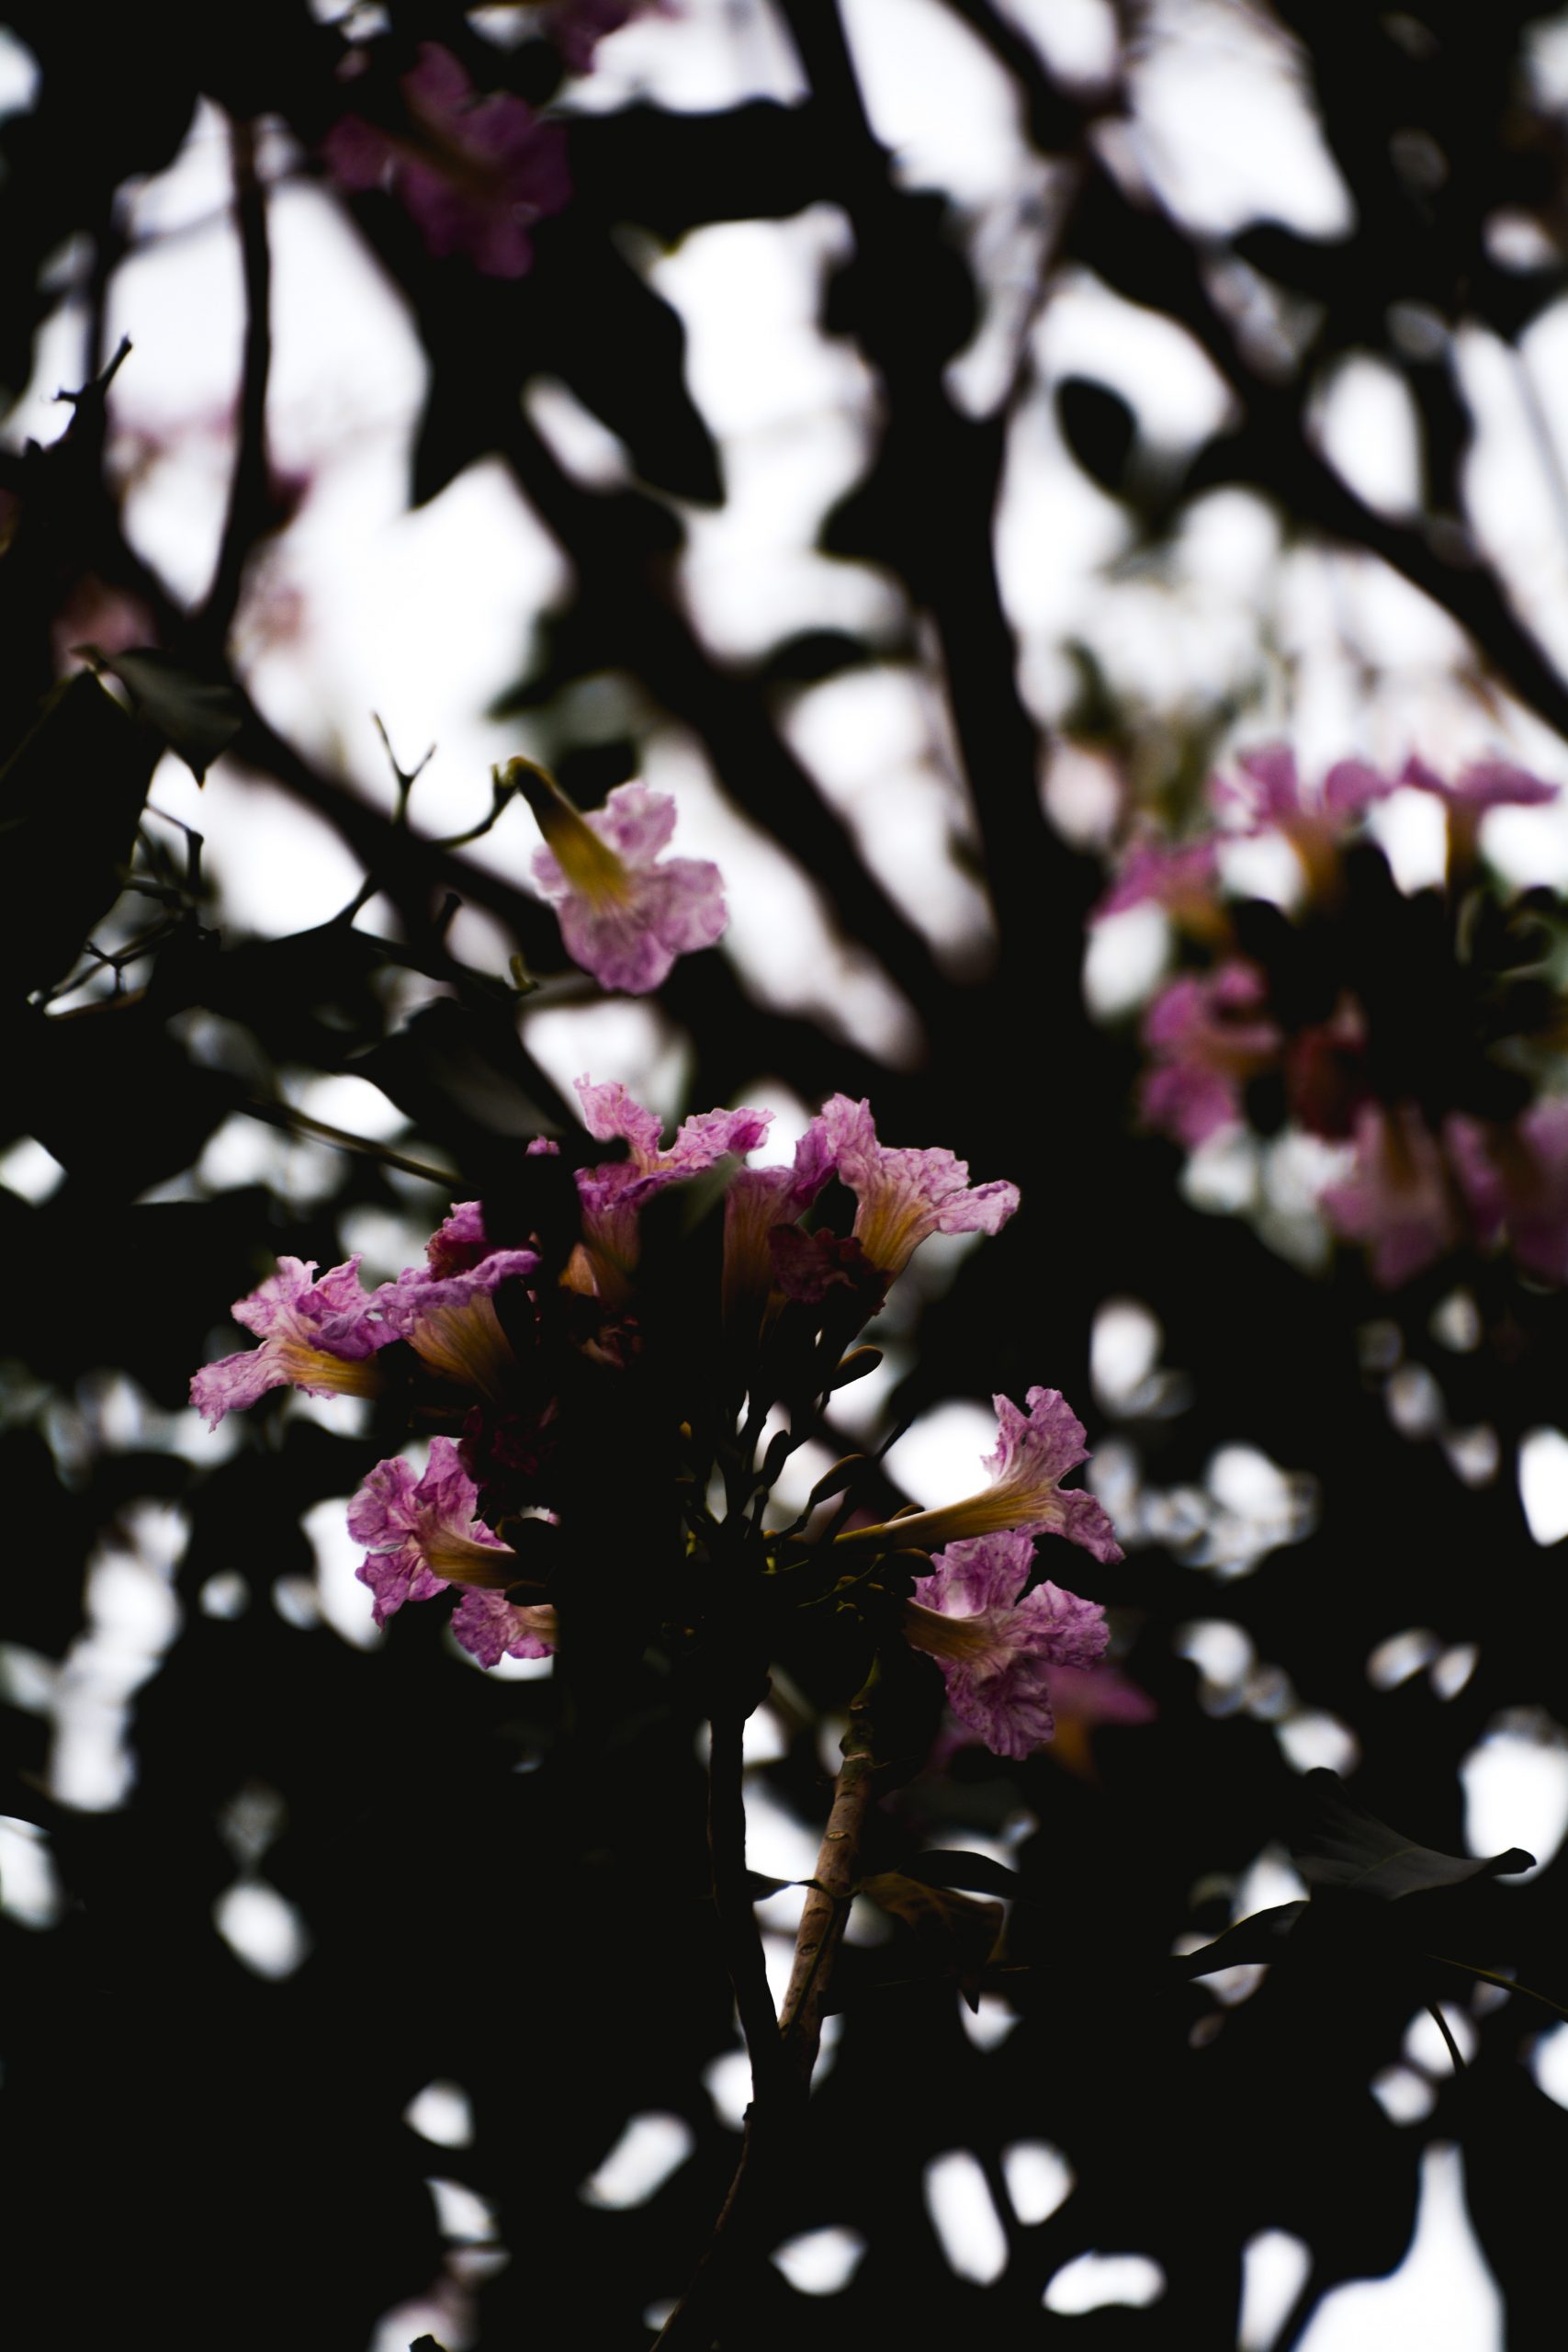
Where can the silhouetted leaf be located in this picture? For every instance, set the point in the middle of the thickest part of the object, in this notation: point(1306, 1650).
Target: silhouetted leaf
point(198, 717)
point(71, 798)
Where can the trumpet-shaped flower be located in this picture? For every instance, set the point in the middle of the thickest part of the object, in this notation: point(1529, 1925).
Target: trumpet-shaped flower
point(490, 1627)
point(903, 1195)
point(997, 1645)
point(445, 1310)
point(625, 915)
point(1399, 1198)
point(1517, 1178)
point(1034, 1452)
point(420, 1533)
point(318, 1335)
point(1209, 1036)
point(612, 1196)
point(757, 1202)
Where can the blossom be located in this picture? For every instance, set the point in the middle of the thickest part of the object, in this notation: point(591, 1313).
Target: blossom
point(1271, 794)
point(1515, 1178)
point(1399, 1197)
point(318, 1335)
point(1182, 876)
point(903, 1195)
point(757, 1203)
point(420, 1533)
point(1485, 784)
point(445, 1310)
point(473, 172)
point(623, 916)
point(997, 1645)
point(1209, 1036)
point(612, 1195)
point(492, 1627)
point(1034, 1452)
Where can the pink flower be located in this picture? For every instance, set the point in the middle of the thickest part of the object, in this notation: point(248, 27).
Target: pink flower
point(757, 1203)
point(420, 1533)
point(1515, 1178)
point(1208, 1036)
point(1034, 1452)
point(1485, 784)
point(492, 1627)
point(318, 1335)
point(445, 1310)
point(623, 916)
point(904, 1195)
point(1399, 1197)
point(998, 1645)
point(1182, 877)
point(613, 1197)
point(1271, 794)
point(474, 173)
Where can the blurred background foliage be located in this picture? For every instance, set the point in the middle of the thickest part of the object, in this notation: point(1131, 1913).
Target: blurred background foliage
point(1195, 380)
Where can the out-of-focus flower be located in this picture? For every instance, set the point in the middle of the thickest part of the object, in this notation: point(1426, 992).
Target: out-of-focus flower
point(1182, 876)
point(613, 1197)
point(625, 915)
point(1034, 1452)
point(318, 1335)
point(1209, 1035)
point(474, 174)
point(996, 1650)
point(445, 1310)
point(1485, 784)
point(1515, 1179)
point(903, 1195)
point(420, 1533)
point(1325, 1074)
point(1270, 795)
point(1399, 1198)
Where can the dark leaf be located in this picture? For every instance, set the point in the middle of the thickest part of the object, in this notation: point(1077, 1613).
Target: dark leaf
point(1100, 428)
point(198, 717)
point(71, 796)
point(1347, 1848)
point(950, 1866)
point(957, 1934)
point(1257, 1937)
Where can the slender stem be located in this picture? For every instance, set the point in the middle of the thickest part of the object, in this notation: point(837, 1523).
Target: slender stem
point(742, 1945)
point(826, 1908)
point(247, 516)
point(777, 2114)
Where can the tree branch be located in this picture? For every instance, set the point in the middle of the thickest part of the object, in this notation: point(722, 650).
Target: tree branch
point(248, 512)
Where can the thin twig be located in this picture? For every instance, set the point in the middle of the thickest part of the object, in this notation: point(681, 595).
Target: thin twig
point(737, 1917)
point(827, 1911)
point(248, 514)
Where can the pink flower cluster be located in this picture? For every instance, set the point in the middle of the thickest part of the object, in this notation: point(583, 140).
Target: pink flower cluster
point(1419, 1182)
point(464, 1315)
point(473, 172)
